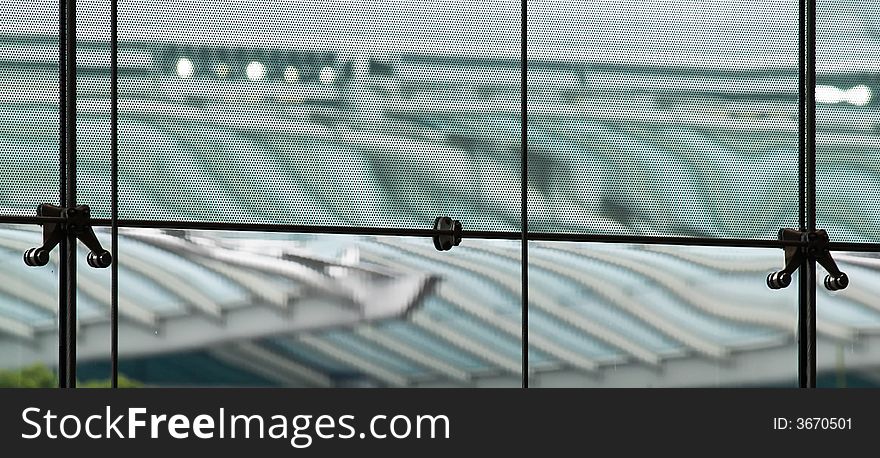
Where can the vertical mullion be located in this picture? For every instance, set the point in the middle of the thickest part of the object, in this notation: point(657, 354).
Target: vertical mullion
point(810, 184)
point(807, 195)
point(67, 315)
point(62, 191)
point(524, 182)
point(802, 198)
point(114, 223)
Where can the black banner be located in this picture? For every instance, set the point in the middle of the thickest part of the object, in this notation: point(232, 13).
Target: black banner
point(464, 422)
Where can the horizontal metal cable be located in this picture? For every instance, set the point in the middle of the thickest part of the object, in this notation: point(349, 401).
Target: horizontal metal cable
point(466, 234)
point(854, 246)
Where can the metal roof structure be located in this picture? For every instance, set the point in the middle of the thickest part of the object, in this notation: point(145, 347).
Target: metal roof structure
point(342, 311)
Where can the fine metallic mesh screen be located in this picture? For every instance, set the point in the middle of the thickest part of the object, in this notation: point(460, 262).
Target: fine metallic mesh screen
point(663, 118)
point(315, 112)
point(28, 105)
point(848, 162)
point(93, 105)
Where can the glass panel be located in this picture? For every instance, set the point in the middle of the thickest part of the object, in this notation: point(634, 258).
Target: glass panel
point(255, 309)
point(28, 312)
point(93, 303)
point(853, 360)
point(659, 316)
point(848, 166)
point(663, 118)
point(314, 112)
point(28, 105)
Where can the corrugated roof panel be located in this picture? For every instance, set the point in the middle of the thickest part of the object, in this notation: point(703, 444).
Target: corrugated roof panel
point(420, 340)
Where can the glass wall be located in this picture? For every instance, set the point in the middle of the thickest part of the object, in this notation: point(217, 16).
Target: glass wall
point(28, 105)
point(28, 313)
point(663, 118)
point(382, 114)
point(661, 316)
point(29, 113)
point(646, 120)
point(851, 361)
point(848, 179)
point(258, 309)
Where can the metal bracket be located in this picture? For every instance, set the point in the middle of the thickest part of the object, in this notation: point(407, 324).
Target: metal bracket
point(816, 248)
point(450, 235)
point(77, 221)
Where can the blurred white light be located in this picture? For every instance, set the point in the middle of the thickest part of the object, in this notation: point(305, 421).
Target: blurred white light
point(328, 75)
point(255, 71)
point(184, 68)
point(291, 74)
point(223, 70)
point(829, 94)
point(859, 95)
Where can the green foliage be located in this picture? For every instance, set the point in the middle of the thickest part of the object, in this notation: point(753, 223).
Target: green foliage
point(36, 376)
point(40, 376)
point(122, 382)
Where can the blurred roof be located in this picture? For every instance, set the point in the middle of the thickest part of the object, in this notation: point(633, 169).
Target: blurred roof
point(338, 310)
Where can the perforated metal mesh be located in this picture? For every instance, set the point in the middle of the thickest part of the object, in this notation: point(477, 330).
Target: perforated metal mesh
point(672, 118)
point(646, 118)
point(28, 106)
point(848, 82)
point(93, 103)
point(331, 113)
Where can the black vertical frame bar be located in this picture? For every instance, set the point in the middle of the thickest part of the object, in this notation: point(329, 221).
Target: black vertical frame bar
point(62, 189)
point(114, 193)
point(807, 197)
point(67, 306)
point(524, 182)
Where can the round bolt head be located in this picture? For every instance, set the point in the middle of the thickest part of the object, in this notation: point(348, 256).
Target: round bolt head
point(100, 260)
